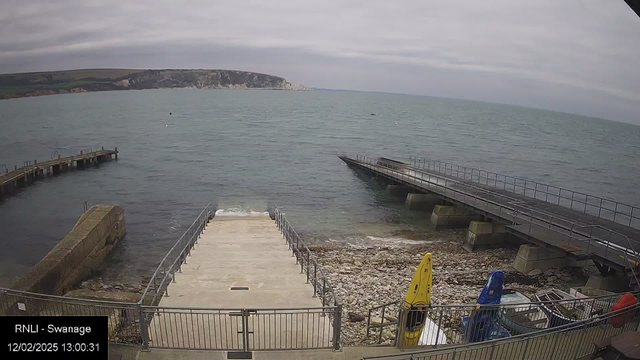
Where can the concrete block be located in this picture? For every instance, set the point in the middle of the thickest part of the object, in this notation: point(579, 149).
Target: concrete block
point(532, 257)
point(611, 283)
point(484, 235)
point(422, 201)
point(452, 217)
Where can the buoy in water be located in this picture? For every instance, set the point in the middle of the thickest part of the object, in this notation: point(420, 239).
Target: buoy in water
point(169, 113)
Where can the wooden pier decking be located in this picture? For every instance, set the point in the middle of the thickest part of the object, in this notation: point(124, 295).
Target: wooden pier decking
point(10, 181)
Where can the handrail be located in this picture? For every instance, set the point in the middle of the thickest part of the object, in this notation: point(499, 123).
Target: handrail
point(413, 161)
point(491, 177)
point(583, 324)
point(573, 230)
point(174, 258)
point(304, 257)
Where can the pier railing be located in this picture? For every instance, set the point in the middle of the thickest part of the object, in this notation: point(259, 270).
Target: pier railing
point(607, 244)
point(147, 325)
point(307, 261)
point(608, 209)
point(123, 318)
point(241, 330)
point(175, 257)
point(566, 342)
point(445, 326)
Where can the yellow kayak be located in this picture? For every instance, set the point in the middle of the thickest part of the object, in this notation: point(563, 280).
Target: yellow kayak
point(418, 295)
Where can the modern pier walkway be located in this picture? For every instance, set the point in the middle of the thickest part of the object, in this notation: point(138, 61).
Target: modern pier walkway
point(240, 289)
point(584, 234)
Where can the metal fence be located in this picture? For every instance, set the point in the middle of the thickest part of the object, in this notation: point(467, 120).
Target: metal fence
point(590, 204)
point(191, 328)
point(571, 341)
point(606, 244)
point(463, 323)
point(124, 318)
point(175, 257)
point(147, 325)
point(242, 329)
point(308, 262)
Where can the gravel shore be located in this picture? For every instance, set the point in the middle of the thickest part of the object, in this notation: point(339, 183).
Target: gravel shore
point(380, 272)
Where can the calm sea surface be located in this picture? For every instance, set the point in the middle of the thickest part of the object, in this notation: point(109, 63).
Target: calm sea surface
point(244, 149)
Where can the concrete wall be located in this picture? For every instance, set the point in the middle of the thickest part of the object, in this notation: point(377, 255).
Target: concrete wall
point(77, 254)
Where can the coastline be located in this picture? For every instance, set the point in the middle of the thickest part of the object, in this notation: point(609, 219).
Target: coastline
point(375, 274)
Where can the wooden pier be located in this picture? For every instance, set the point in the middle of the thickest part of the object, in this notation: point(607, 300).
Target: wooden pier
point(10, 181)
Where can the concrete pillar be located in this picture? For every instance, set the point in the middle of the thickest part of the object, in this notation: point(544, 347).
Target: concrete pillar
point(609, 283)
point(532, 257)
point(398, 190)
point(484, 235)
point(422, 201)
point(452, 217)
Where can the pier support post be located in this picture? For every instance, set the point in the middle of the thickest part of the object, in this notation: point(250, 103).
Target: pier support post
point(452, 217)
point(398, 190)
point(484, 235)
point(422, 201)
point(532, 257)
point(613, 283)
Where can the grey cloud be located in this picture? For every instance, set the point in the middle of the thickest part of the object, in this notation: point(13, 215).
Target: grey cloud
point(583, 52)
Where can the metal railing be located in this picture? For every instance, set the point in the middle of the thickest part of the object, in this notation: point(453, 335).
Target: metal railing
point(175, 257)
point(190, 328)
point(151, 326)
point(386, 316)
point(124, 318)
point(444, 322)
point(308, 262)
point(552, 194)
point(570, 341)
point(241, 329)
point(621, 213)
point(604, 243)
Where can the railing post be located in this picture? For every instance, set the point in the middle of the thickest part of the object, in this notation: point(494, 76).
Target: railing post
point(600, 207)
point(337, 327)
point(438, 329)
point(381, 322)
point(308, 265)
point(143, 328)
point(315, 278)
point(324, 289)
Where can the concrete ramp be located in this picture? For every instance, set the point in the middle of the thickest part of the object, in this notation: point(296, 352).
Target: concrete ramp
point(238, 252)
point(241, 289)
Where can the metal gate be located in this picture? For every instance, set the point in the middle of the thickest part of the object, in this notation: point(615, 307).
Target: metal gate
point(242, 330)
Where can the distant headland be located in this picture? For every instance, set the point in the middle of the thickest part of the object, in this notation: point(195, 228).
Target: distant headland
point(85, 80)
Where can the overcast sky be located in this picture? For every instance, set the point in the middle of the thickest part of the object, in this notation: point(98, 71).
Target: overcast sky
point(567, 55)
